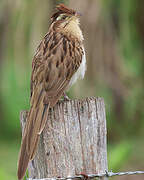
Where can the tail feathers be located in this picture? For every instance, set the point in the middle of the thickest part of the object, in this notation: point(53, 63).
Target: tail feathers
point(36, 130)
point(23, 160)
point(34, 126)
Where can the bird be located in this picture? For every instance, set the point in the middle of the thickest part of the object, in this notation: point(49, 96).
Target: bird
point(58, 63)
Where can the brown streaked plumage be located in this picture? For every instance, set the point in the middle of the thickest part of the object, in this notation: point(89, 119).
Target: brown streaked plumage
point(57, 64)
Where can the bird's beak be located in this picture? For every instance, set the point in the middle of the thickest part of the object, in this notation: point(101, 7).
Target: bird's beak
point(78, 14)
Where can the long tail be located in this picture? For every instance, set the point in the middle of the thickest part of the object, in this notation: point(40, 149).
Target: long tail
point(34, 126)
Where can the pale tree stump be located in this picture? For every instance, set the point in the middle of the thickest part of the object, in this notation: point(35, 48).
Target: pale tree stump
point(73, 141)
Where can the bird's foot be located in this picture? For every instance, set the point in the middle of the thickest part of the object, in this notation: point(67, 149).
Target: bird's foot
point(66, 98)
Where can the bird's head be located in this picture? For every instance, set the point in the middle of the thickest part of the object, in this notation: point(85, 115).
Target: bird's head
point(64, 16)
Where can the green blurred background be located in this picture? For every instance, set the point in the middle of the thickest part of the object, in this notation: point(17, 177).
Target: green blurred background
point(114, 42)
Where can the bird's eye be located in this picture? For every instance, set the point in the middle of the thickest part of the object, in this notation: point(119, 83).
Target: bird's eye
point(61, 17)
point(64, 17)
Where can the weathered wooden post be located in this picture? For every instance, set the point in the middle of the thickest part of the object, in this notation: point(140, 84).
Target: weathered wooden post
point(73, 141)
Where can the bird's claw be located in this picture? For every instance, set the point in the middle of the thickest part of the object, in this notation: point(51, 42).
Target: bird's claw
point(66, 98)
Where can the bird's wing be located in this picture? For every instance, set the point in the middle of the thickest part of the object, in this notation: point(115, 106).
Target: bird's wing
point(61, 59)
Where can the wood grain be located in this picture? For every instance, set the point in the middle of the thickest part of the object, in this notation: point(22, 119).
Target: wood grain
point(73, 141)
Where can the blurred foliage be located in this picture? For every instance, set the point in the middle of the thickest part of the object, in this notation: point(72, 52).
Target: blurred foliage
point(8, 159)
point(118, 155)
point(114, 36)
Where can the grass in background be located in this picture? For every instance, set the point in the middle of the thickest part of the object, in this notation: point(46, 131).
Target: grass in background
point(119, 154)
point(8, 159)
